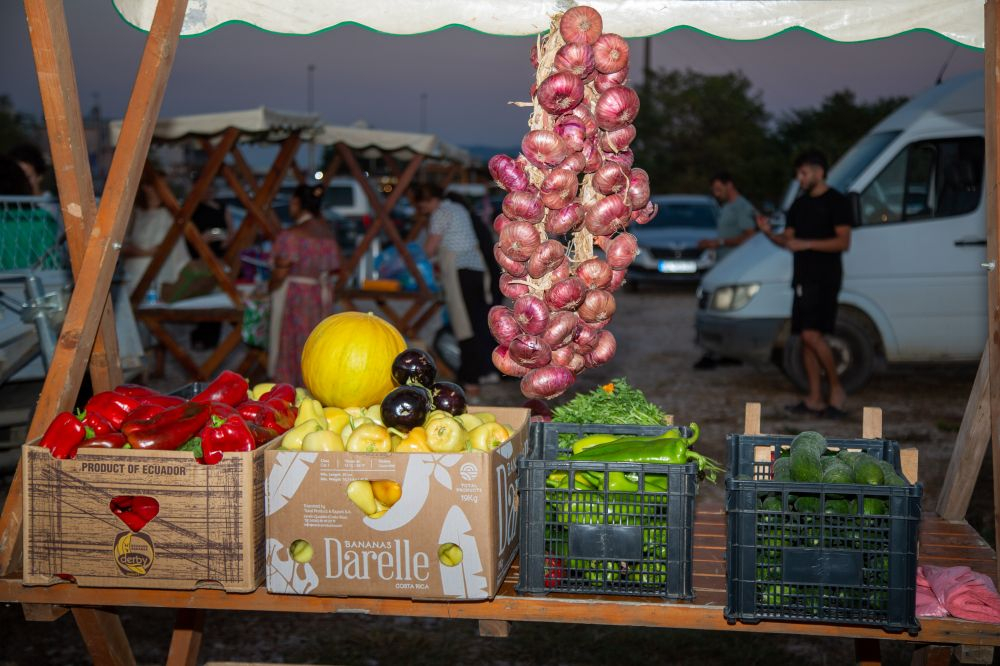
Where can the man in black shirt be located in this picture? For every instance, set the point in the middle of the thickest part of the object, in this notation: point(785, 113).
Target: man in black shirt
point(817, 232)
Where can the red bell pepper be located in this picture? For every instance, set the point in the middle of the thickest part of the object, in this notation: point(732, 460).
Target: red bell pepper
point(115, 407)
point(136, 391)
point(111, 440)
point(261, 434)
point(285, 414)
point(64, 435)
point(555, 575)
point(284, 392)
point(251, 410)
point(95, 424)
point(135, 510)
point(169, 429)
point(222, 410)
point(228, 387)
point(224, 435)
point(163, 400)
point(144, 412)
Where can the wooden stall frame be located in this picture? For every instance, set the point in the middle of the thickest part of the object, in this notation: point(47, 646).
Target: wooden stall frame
point(96, 234)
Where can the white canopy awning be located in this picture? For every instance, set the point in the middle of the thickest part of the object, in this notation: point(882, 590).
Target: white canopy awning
point(260, 124)
point(839, 20)
point(404, 145)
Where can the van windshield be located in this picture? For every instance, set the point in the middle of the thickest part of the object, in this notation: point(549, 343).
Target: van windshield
point(847, 168)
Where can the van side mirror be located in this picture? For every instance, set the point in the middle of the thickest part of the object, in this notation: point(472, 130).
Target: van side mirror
point(855, 202)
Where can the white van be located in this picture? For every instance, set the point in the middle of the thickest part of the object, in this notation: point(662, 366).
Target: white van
point(914, 284)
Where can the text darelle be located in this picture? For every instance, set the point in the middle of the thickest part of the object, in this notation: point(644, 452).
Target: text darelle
point(392, 562)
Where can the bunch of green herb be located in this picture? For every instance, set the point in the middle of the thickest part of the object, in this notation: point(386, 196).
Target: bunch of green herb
point(615, 403)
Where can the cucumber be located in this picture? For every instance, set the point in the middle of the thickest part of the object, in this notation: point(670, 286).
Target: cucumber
point(810, 441)
point(874, 507)
point(807, 505)
point(837, 506)
point(828, 461)
point(772, 503)
point(781, 469)
point(891, 478)
point(867, 471)
point(838, 473)
point(850, 457)
point(806, 466)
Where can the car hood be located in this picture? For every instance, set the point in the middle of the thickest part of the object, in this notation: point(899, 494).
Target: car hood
point(671, 237)
point(757, 260)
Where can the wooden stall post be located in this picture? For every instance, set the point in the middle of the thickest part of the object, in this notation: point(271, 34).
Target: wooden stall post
point(992, 76)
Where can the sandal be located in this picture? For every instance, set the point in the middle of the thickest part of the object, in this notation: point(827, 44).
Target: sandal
point(803, 408)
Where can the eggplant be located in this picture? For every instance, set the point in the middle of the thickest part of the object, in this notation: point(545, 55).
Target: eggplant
point(449, 397)
point(414, 366)
point(405, 407)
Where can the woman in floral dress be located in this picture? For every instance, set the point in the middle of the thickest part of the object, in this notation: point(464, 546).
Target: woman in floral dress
point(305, 259)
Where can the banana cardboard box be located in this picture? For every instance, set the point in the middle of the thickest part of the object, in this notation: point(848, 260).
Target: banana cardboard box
point(450, 532)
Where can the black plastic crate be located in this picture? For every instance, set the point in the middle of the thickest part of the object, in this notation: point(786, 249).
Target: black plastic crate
point(840, 568)
point(610, 541)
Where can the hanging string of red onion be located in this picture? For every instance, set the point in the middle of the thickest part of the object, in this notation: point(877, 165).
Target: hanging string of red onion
point(574, 181)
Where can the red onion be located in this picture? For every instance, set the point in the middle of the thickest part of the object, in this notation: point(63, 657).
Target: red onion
point(606, 216)
point(508, 173)
point(503, 325)
point(584, 113)
point(550, 381)
point(617, 278)
point(529, 351)
point(585, 335)
point(577, 59)
point(511, 287)
point(544, 148)
point(517, 269)
point(548, 255)
point(523, 207)
point(626, 158)
point(563, 356)
point(559, 188)
point(501, 221)
point(592, 154)
point(610, 53)
point(519, 240)
point(646, 214)
point(531, 314)
point(572, 130)
point(581, 25)
point(564, 220)
point(604, 81)
point(566, 294)
point(595, 273)
point(616, 107)
point(604, 350)
point(560, 329)
point(505, 364)
point(611, 178)
point(617, 140)
point(621, 251)
point(598, 305)
point(638, 189)
point(560, 92)
point(533, 56)
point(575, 162)
point(560, 272)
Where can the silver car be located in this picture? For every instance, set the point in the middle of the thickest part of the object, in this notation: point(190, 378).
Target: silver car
point(668, 244)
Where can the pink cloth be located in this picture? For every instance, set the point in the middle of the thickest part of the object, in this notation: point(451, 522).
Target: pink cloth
point(927, 604)
point(964, 593)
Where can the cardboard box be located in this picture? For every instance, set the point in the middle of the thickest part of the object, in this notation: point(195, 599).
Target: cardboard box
point(468, 499)
point(208, 532)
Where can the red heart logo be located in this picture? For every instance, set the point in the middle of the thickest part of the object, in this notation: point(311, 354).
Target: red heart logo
point(135, 510)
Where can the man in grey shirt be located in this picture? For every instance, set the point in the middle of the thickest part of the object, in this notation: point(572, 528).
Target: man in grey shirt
point(736, 219)
point(736, 225)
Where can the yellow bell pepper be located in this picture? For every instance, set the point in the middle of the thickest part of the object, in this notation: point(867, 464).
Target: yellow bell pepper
point(369, 438)
point(293, 439)
point(360, 492)
point(336, 418)
point(485, 417)
point(469, 421)
point(415, 442)
point(302, 394)
point(323, 440)
point(488, 436)
point(386, 491)
point(311, 409)
point(260, 389)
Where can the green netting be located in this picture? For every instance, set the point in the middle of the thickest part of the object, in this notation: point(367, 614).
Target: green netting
point(29, 238)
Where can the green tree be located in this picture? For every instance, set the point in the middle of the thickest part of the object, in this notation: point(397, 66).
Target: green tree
point(834, 126)
point(692, 125)
point(14, 126)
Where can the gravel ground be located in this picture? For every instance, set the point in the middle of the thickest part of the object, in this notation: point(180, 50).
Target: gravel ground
point(922, 407)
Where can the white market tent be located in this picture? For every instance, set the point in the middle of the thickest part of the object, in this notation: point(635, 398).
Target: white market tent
point(95, 235)
point(403, 145)
point(260, 124)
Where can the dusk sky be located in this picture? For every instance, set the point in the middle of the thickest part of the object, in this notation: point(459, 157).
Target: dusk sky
point(467, 77)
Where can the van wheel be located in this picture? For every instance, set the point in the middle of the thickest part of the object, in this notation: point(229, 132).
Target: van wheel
point(853, 344)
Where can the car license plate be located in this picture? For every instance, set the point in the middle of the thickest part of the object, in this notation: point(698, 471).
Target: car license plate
point(678, 266)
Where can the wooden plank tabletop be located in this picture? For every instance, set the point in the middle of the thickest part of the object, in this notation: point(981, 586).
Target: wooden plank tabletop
point(942, 543)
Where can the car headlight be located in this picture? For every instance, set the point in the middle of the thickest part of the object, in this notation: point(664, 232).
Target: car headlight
point(734, 297)
point(644, 259)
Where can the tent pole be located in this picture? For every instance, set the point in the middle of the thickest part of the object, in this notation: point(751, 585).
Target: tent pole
point(993, 240)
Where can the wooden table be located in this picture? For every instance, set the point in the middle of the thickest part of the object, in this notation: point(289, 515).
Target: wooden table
point(942, 543)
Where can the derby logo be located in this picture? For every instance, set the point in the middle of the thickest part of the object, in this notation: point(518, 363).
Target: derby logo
point(134, 553)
